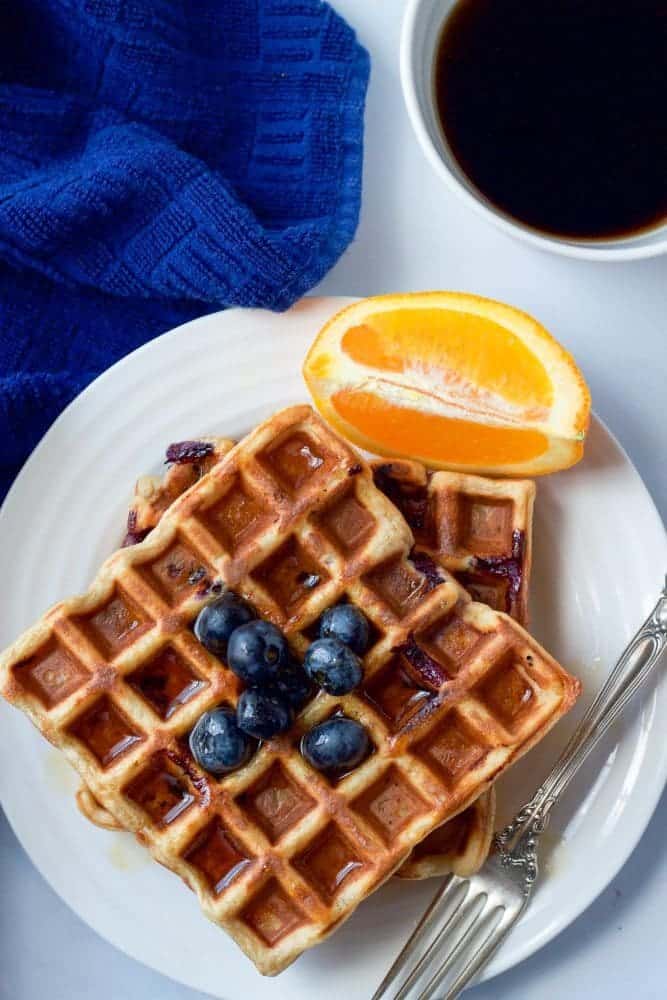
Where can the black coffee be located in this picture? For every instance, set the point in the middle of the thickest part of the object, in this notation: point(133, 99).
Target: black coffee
point(557, 110)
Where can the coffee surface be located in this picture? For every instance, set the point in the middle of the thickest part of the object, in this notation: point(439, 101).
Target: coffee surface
point(556, 110)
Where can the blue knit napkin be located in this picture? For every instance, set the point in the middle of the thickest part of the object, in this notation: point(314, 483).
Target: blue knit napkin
point(160, 159)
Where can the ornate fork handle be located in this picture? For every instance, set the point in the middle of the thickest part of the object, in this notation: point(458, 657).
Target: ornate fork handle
point(516, 844)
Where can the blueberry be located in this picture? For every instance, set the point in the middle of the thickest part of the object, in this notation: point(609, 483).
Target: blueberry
point(347, 623)
point(294, 684)
point(257, 652)
point(217, 743)
point(263, 714)
point(333, 666)
point(216, 622)
point(335, 745)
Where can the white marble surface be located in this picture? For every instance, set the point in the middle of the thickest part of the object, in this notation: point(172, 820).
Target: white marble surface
point(415, 234)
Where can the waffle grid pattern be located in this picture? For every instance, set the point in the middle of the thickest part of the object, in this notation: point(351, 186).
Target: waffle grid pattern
point(462, 843)
point(277, 853)
point(479, 528)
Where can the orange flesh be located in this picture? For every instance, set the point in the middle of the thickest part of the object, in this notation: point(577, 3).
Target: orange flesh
point(433, 437)
point(447, 342)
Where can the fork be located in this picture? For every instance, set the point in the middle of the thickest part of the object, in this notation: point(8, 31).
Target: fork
point(470, 917)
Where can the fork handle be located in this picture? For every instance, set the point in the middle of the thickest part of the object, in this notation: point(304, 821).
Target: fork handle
point(634, 666)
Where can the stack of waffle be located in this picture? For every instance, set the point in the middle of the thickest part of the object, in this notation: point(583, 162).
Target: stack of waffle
point(453, 692)
point(480, 529)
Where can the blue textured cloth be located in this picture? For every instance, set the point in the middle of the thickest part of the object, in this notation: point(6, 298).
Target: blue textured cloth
point(160, 159)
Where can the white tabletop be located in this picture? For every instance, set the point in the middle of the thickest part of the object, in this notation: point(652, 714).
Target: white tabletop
point(415, 234)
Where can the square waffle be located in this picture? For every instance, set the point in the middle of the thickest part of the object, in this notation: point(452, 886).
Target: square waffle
point(460, 845)
point(277, 853)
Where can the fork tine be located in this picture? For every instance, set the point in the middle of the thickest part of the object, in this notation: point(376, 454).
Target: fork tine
point(492, 942)
point(445, 903)
point(467, 948)
point(457, 926)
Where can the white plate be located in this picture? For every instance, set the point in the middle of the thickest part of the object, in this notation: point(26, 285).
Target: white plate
point(600, 549)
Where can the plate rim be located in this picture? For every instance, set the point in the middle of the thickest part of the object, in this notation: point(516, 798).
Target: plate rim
point(566, 914)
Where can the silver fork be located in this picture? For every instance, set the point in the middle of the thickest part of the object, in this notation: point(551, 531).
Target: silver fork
point(470, 917)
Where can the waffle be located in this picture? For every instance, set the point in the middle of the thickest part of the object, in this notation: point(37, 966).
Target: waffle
point(94, 811)
point(480, 529)
point(278, 854)
point(461, 849)
point(190, 460)
point(462, 844)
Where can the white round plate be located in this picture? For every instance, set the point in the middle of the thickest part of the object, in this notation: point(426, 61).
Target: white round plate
point(599, 552)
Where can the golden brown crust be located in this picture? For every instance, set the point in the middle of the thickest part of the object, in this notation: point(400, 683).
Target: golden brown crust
point(460, 846)
point(93, 811)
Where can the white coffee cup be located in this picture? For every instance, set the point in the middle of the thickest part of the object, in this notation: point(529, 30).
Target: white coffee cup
point(422, 26)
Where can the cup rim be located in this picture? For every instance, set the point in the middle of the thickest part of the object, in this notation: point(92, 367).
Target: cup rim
point(582, 250)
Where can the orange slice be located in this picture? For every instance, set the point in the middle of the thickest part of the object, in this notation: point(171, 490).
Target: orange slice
point(457, 381)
